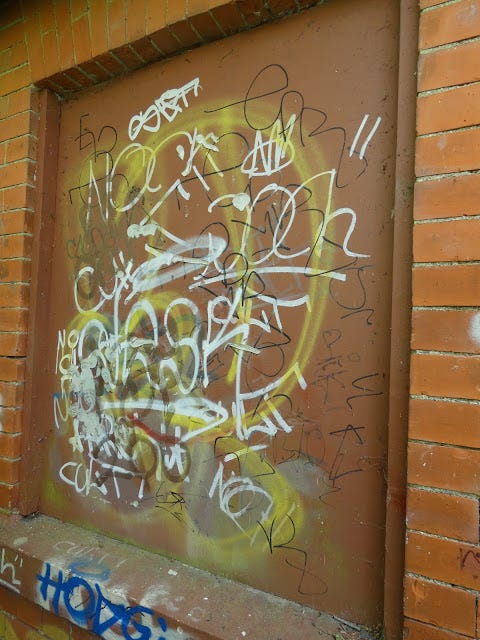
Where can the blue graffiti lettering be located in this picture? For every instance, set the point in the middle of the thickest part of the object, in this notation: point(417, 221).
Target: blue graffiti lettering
point(88, 607)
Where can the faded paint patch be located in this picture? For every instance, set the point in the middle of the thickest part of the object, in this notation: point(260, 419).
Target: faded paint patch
point(475, 328)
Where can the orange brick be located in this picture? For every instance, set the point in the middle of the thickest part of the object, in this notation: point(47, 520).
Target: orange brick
point(14, 295)
point(13, 344)
point(51, 621)
point(19, 54)
point(11, 420)
point(64, 33)
point(13, 319)
point(444, 467)
point(20, 172)
point(18, 245)
point(34, 43)
point(11, 370)
point(99, 28)
point(449, 241)
point(17, 125)
point(451, 109)
point(20, 148)
point(136, 20)
point(9, 471)
point(15, 79)
point(19, 197)
point(78, 8)
point(155, 16)
point(451, 66)
point(415, 630)
point(117, 24)
point(439, 286)
point(9, 601)
point(447, 152)
point(10, 445)
point(448, 376)
point(449, 23)
point(444, 514)
point(442, 559)
point(8, 500)
point(442, 330)
point(441, 605)
point(11, 396)
point(81, 39)
point(51, 60)
point(22, 100)
point(11, 13)
point(47, 17)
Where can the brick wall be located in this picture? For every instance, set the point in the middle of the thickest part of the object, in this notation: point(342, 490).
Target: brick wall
point(442, 551)
point(66, 45)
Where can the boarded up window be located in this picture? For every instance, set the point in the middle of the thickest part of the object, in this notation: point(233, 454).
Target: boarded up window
point(219, 324)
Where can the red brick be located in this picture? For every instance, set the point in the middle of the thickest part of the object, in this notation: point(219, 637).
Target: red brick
point(11, 420)
point(111, 64)
point(117, 24)
point(229, 18)
point(443, 559)
point(449, 23)
point(8, 500)
point(10, 601)
point(81, 39)
point(441, 605)
point(78, 77)
point(206, 27)
point(21, 631)
point(184, 33)
point(64, 34)
point(13, 319)
point(14, 295)
point(451, 516)
point(146, 50)
point(51, 621)
point(415, 630)
point(165, 41)
point(95, 71)
point(451, 66)
point(442, 330)
point(447, 241)
point(30, 613)
point(129, 58)
point(451, 109)
point(453, 285)
point(444, 467)
point(253, 11)
point(447, 152)
point(10, 445)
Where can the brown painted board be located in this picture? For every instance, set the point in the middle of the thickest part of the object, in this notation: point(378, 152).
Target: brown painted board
point(219, 322)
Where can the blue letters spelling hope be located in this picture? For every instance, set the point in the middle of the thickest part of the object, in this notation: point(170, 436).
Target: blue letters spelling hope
point(91, 606)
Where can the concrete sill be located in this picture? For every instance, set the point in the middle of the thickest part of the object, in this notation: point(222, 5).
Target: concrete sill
point(120, 591)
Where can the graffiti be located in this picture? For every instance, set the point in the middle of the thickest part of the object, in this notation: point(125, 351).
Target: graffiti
point(86, 605)
point(214, 259)
point(10, 570)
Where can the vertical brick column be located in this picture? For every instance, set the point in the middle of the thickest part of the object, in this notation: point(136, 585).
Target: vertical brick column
point(18, 128)
point(443, 553)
